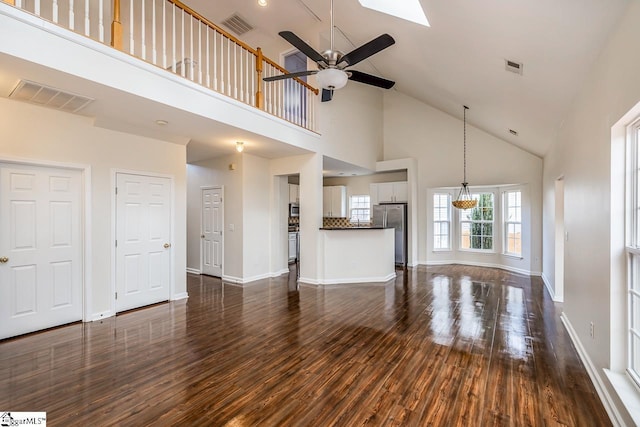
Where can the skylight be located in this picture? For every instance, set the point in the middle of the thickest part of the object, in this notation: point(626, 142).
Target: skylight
point(411, 10)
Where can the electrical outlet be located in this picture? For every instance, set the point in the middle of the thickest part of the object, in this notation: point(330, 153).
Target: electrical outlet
point(591, 329)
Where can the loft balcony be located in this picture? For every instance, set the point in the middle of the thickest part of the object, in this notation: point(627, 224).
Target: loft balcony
point(173, 37)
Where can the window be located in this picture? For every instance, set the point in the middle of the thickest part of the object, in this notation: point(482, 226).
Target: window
point(633, 251)
point(360, 208)
point(476, 225)
point(513, 223)
point(441, 221)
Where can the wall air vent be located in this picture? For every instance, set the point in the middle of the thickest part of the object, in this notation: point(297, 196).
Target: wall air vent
point(513, 66)
point(46, 96)
point(513, 132)
point(237, 24)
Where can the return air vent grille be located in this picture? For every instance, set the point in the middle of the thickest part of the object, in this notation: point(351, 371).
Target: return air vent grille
point(237, 24)
point(38, 94)
point(513, 66)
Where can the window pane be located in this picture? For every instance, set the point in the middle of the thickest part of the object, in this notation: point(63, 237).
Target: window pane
point(465, 235)
point(487, 243)
point(635, 313)
point(635, 354)
point(487, 229)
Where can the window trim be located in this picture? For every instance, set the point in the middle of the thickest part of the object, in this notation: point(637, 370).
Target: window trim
point(351, 208)
point(449, 221)
point(506, 222)
point(632, 247)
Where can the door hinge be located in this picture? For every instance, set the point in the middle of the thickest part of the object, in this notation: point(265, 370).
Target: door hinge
point(116, 295)
point(116, 243)
point(116, 190)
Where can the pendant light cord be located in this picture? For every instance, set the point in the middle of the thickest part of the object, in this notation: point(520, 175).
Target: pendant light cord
point(464, 150)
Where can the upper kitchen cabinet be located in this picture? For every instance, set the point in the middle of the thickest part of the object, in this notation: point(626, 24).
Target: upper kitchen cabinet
point(294, 193)
point(334, 201)
point(389, 192)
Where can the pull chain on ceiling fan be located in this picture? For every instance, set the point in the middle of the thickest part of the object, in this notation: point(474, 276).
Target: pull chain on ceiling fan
point(332, 63)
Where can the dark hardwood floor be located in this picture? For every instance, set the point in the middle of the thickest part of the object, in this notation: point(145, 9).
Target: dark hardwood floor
point(441, 346)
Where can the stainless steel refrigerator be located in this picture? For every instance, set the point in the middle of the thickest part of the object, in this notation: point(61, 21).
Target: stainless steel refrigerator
point(394, 215)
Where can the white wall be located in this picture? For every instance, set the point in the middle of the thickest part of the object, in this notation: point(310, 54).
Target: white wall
point(42, 134)
point(256, 219)
point(358, 185)
point(413, 129)
point(216, 172)
point(594, 274)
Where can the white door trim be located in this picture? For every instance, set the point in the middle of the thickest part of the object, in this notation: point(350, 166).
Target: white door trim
point(212, 187)
point(85, 216)
point(172, 284)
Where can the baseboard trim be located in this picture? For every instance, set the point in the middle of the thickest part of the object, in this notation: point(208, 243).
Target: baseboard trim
point(376, 280)
point(193, 271)
point(102, 315)
point(482, 264)
point(280, 273)
point(601, 389)
point(550, 290)
point(181, 295)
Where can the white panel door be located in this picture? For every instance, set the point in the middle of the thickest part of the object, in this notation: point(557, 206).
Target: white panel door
point(143, 245)
point(40, 248)
point(212, 243)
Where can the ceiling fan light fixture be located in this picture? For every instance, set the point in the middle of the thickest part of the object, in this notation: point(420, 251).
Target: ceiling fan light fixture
point(332, 78)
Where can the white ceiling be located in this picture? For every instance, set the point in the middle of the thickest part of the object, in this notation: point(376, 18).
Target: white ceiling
point(459, 60)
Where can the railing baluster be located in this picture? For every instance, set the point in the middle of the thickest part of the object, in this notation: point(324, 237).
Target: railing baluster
point(87, 20)
point(72, 18)
point(191, 76)
point(154, 51)
point(183, 73)
point(173, 29)
point(36, 7)
point(222, 64)
point(206, 38)
point(143, 32)
point(164, 34)
point(199, 52)
point(101, 21)
point(229, 67)
point(54, 11)
point(241, 78)
point(132, 48)
point(215, 60)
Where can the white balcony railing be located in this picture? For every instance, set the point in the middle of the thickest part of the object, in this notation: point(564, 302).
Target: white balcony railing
point(170, 35)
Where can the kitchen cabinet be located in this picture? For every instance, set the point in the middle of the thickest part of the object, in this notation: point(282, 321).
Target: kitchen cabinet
point(293, 246)
point(334, 199)
point(294, 193)
point(389, 192)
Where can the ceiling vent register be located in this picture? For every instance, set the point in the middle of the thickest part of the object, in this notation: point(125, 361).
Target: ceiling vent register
point(36, 93)
point(513, 66)
point(237, 24)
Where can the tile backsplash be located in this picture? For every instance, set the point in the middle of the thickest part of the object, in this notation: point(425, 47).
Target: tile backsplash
point(330, 222)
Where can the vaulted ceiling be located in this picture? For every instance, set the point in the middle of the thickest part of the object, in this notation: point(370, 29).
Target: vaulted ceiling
point(460, 59)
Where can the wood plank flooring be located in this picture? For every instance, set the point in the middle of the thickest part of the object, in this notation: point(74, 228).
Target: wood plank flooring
point(439, 346)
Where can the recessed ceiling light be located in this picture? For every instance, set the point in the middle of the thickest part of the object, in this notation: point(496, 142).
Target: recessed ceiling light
point(262, 3)
point(410, 10)
point(162, 122)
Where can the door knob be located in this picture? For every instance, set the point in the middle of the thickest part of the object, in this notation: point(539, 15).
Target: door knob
point(202, 236)
point(4, 259)
point(167, 245)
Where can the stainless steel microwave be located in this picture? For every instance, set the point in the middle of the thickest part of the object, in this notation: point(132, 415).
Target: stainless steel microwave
point(294, 210)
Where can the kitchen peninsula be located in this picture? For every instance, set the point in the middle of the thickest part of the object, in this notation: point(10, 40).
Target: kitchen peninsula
point(356, 255)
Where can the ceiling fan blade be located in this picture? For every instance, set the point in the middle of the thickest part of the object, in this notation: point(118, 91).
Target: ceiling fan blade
point(298, 43)
point(367, 49)
point(290, 75)
point(327, 95)
point(360, 77)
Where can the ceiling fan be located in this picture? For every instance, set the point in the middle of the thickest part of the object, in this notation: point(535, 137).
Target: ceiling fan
point(331, 73)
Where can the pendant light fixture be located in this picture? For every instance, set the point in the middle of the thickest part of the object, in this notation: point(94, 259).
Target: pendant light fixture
point(464, 200)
